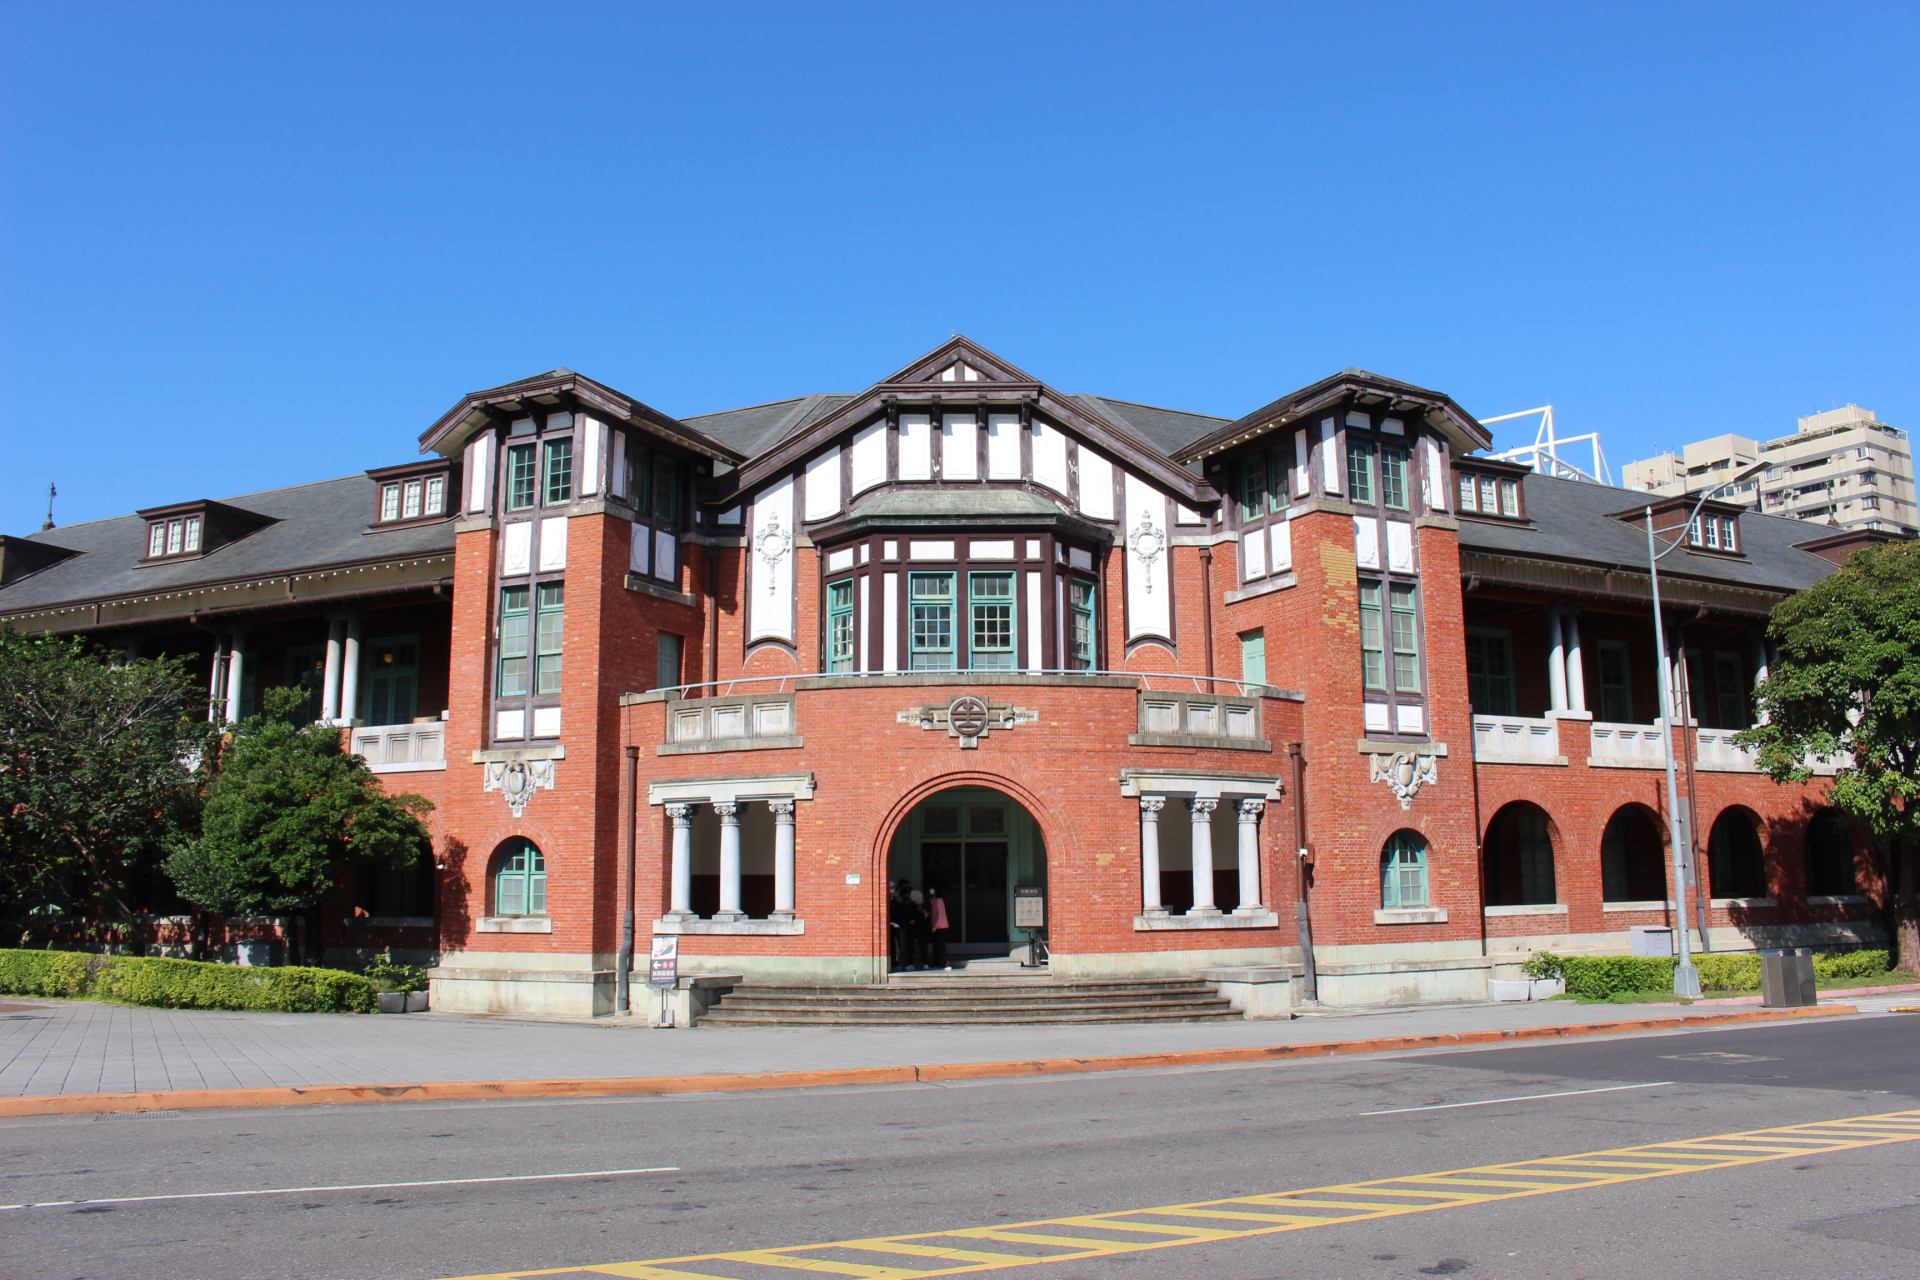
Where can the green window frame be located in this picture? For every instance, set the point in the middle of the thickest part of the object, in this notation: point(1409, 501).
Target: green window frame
point(549, 636)
point(559, 472)
point(1360, 472)
point(640, 479)
point(666, 489)
point(1253, 656)
point(993, 623)
point(1253, 487)
point(1730, 690)
point(1081, 595)
point(930, 634)
point(1393, 476)
point(840, 629)
point(1490, 672)
point(520, 477)
point(1403, 610)
point(1403, 873)
point(520, 880)
point(516, 623)
point(666, 661)
point(1373, 642)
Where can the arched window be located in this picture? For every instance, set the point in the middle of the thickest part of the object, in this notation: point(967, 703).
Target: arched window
point(1735, 866)
point(1631, 861)
point(519, 880)
point(1519, 858)
point(1829, 855)
point(1403, 872)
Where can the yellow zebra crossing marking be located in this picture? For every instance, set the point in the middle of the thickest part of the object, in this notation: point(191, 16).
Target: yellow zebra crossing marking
point(946, 1253)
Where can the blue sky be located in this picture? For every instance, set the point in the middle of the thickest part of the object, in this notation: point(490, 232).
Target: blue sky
point(248, 246)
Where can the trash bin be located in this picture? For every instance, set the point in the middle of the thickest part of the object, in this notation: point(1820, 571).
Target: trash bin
point(1786, 980)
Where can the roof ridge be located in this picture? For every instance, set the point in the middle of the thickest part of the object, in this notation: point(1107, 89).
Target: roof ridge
point(1142, 404)
point(747, 408)
point(237, 497)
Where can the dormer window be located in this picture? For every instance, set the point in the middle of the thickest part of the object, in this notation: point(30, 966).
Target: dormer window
point(1714, 532)
point(177, 536)
point(187, 529)
point(410, 492)
point(1483, 494)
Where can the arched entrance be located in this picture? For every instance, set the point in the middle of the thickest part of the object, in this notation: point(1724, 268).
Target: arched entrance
point(976, 846)
point(1518, 858)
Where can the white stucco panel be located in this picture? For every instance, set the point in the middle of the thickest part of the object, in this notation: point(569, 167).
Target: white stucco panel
point(516, 542)
point(1280, 545)
point(1302, 464)
point(1330, 460)
point(870, 457)
point(770, 544)
point(1049, 457)
point(553, 544)
point(1096, 485)
point(959, 447)
point(1366, 542)
point(916, 446)
point(640, 549)
point(890, 622)
point(479, 466)
point(1147, 544)
point(823, 485)
point(1253, 555)
point(1003, 446)
point(1036, 650)
point(1435, 476)
point(591, 434)
point(666, 551)
point(1400, 546)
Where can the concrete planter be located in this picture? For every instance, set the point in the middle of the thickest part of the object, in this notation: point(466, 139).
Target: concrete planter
point(416, 1002)
point(392, 1001)
point(1548, 988)
point(1520, 989)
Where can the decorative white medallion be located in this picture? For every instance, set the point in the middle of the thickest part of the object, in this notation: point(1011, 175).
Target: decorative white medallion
point(517, 780)
point(969, 718)
point(1147, 541)
point(1405, 772)
point(773, 544)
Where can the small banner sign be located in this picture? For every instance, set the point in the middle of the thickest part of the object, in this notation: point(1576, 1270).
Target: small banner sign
point(1029, 907)
point(663, 969)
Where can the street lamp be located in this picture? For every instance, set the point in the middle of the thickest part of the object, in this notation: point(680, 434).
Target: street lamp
point(1686, 978)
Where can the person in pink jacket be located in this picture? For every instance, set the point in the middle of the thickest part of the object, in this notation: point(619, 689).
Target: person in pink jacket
point(937, 921)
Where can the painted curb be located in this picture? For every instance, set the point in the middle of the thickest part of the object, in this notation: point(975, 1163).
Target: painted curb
point(746, 1082)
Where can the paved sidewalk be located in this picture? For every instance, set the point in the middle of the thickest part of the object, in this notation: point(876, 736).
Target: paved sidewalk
point(54, 1047)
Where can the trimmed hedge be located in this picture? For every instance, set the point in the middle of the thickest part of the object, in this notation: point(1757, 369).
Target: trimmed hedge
point(183, 984)
point(1601, 977)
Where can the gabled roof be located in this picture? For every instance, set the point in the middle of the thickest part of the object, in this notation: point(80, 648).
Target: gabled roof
point(998, 383)
point(550, 391)
point(314, 526)
point(1439, 411)
point(759, 427)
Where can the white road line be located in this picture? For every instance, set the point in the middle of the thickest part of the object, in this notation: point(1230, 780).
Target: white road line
point(358, 1186)
point(1525, 1097)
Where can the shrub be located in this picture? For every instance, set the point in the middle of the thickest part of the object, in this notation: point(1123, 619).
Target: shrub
point(1601, 977)
point(183, 984)
point(1728, 972)
point(388, 974)
point(1840, 966)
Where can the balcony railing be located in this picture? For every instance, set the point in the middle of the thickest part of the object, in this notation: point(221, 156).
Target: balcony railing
point(402, 748)
point(1715, 749)
point(1516, 740)
point(1629, 744)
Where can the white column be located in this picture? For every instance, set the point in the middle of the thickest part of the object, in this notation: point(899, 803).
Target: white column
point(330, 677)
point(216, 682)
point(1250, 857)
point(1556, 664)
point(1150, 807)
point(1760, 665)
point(236, 675)
point(782, 857)
point(729, 815)
point(1202, 812)
point(1576, 666)
point(680, 875)
point(350, 671)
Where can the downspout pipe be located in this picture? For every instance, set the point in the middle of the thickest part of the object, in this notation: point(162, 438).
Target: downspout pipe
point(623, 971)
point(1312, 975)
point(1206, 614)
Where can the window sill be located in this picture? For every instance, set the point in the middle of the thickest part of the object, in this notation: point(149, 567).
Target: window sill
point(1280, 581)
point(646, 587)
point(1425, 915)
point(1202, 741)
point(514, 924)
point(1542, 761)
point(791, 926)
point(1261, 919)
point(1527, 909)
point(717, 745)
point(1744, 902)
point(1623, 762)
point(1837, 900)
point(1651, 904)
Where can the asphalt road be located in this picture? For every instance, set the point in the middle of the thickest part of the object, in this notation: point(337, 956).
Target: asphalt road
point(149, 1195)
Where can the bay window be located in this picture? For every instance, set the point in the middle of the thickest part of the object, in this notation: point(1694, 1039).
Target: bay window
point(930, 622)
point(840, 630)
point(515, 625)
point(1080, 645)
point(520, 477)
point(990, 606)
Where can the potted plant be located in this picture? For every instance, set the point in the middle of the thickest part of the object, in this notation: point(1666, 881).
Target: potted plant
point(402, 988)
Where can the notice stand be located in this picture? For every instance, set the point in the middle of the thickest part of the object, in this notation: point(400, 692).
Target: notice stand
point(1030, 913)
point(663, 975)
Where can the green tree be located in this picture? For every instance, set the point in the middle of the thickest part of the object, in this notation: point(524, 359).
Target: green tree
point(98, 775)
point(287, 811)
point(1848, 686)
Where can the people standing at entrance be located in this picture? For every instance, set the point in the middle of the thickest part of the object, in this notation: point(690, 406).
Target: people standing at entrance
point(938, 925)
point(906, 925)
point(922, 930)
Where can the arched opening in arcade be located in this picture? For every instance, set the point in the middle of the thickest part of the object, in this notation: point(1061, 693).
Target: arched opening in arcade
point(1633, 857)
point(979, 851)
point(1736, 866)
point(1518, 857)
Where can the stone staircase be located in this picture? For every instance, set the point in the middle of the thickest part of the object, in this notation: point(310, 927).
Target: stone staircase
point(952, 1000)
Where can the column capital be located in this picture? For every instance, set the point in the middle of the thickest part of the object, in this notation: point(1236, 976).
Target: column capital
point(782, 810)
point(728, 812)
point(681, 814)
point(1250, 810)
point(1152, 804)
point(1203, 807)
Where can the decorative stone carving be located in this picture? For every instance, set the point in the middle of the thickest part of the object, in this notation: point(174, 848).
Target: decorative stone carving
point(1250, 810)
point(773, 545)
point(1147, 541)
point(1152, 804)
point(517, 780)
point(969, 718)
point(1405, 772)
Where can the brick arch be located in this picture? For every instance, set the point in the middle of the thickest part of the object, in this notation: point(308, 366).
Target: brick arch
point(1371, 842)
point(1663, 855)
point(1736, 812)
point(1052, 831)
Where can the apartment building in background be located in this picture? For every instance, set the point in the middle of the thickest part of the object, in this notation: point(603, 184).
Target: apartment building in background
point(1843, 467)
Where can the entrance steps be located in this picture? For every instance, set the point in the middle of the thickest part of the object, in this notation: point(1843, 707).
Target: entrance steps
point(934, 999)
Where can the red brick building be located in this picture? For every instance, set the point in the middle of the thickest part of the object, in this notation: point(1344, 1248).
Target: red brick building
point(1319, 683)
